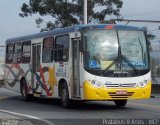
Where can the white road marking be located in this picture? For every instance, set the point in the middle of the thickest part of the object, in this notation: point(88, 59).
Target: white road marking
point(19, 114)
point(25, 115)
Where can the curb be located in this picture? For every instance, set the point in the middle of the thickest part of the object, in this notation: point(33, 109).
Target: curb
point(152, 96)
point(155, 96)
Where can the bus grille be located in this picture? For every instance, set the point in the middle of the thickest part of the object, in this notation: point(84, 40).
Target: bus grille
point(114, 95)
point(122, 85)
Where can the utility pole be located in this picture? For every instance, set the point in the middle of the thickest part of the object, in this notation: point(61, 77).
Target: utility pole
point(85, 12)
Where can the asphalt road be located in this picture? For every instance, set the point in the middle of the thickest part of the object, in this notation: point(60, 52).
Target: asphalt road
point(49, 111)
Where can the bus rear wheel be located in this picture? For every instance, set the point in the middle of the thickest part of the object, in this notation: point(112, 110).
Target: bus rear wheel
point(120, 103)
point(24, 92)
point(66, 102)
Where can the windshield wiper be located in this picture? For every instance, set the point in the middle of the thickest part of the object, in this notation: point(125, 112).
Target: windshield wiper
point(120, 58)
point(114, 61)
point(141, 48)
point(129, 64)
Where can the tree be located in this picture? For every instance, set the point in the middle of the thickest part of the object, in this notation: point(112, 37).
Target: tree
point(69, 12)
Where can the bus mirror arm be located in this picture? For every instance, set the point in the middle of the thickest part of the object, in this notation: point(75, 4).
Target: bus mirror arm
point(81, 47)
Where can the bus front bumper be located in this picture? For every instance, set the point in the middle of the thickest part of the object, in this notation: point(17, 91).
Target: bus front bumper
point(103, 93)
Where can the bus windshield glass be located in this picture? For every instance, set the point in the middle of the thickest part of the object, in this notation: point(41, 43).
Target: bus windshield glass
point(118, 50)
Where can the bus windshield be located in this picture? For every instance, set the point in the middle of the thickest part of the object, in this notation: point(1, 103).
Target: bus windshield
point(105, 47)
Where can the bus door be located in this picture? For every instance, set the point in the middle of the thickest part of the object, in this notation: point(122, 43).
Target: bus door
point(36, 54)
point(75, 68)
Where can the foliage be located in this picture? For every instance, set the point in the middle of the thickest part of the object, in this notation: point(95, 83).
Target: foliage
point(69, 12)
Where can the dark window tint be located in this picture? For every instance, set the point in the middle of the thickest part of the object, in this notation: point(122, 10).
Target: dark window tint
point(61, 52)
point(26, 52)
point(47, 55)
point(17, 53)
point(9, 53)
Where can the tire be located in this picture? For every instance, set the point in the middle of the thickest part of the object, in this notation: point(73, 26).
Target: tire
point(66, 102)
point(24, 92)
point(120, 103)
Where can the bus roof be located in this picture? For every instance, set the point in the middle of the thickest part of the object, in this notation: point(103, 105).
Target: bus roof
point(71, 29)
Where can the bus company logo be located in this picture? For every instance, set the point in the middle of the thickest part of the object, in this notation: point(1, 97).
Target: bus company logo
point(108, 83)
point(120, 85)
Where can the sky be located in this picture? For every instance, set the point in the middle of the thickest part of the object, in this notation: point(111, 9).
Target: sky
point(12, 25)
point(143, 10)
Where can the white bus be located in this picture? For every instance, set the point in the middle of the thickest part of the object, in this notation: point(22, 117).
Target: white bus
point(85, 62)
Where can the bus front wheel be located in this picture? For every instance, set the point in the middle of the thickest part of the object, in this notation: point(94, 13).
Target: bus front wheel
point(120, 103)
point(66, 102)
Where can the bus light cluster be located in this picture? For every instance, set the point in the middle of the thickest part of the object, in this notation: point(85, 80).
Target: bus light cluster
point(96, 83)
point(99, 84)
point(143, 84)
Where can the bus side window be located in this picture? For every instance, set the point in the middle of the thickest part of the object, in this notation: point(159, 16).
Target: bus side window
point(9, 54)
point(61, 51)
point(47, 54)
point(26, 52)
point(17, 53)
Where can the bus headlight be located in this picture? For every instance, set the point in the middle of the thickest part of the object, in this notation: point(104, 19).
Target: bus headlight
point(143, 84)
point(96, 83)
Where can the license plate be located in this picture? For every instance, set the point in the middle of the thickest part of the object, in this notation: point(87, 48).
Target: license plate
point(121, 92)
